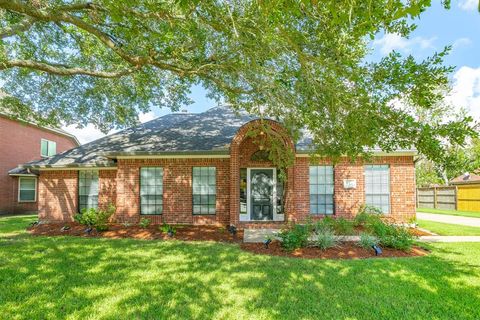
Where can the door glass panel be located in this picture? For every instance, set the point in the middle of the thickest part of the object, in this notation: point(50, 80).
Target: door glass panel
point(262, 194)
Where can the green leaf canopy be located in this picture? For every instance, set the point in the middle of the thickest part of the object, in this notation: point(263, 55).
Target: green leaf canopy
point(303, 62)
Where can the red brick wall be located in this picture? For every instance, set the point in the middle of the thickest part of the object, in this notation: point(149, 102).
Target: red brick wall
point(20, 143)
point(58, 195)
point(177, 190)
point(122, 187)
point(58, 190)
point(348, 201)
point(107, 188)
point(241, 150)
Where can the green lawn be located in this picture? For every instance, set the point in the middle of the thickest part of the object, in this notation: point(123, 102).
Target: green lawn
point(446, 229)
point(450, 212)
point(77, 278)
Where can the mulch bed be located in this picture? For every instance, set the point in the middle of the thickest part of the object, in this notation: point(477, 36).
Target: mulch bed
point(118, 231)
point(346, 250)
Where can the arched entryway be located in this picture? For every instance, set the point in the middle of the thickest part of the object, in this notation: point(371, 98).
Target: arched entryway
point(257, 194)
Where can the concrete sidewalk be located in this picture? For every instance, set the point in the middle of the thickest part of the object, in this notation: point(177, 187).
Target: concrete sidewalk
point(259, 235)
point(464, 221)
point(449, 239)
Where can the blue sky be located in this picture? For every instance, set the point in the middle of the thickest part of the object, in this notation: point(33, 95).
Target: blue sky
point(437, 28)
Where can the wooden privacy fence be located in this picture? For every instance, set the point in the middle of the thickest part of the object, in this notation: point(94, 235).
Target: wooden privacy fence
point(437, 197)
point(468, 197)
point(462, 197)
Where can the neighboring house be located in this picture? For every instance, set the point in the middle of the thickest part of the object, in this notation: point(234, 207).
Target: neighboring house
point(23, 141)
point(466, 179)
point(205, 169)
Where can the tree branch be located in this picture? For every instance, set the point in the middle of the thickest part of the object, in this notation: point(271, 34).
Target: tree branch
point(136, 61)
point(63, 70)
point(22, 26)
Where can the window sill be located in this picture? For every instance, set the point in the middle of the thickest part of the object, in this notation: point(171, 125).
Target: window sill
point(27, 201)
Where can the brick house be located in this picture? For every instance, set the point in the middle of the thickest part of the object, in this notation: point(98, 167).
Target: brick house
point(205, 169)
point(23, 141)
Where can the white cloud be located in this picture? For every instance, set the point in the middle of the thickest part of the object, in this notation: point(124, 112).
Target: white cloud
point(392, 41)
point(466, 91)
point(468, 4)
point(145, 117)
point(90, 133)
point(461, 42)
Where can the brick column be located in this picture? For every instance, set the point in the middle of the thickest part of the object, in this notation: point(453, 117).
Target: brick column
point(402, 188)
point(107, 188)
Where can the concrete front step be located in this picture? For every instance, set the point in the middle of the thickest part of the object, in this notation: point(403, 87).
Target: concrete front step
point(259, 235)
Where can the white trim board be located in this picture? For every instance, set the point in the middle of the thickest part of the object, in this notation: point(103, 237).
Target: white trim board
point(171, 156)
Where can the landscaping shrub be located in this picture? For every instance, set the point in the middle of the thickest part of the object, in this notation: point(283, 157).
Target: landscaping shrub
point(326, 238)
point(366, 214)
point(95, 218)
point(391, 235)
point(327, 222)
point(367, 240)
point(343, 226)
point(400, 239)
point(144, 223)
point(166, 228)
point(294, 237)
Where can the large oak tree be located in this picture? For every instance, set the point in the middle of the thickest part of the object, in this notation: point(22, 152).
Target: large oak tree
point(304, 62)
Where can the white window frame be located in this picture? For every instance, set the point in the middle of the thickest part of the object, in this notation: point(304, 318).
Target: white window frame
point(324, 193)
point(201, 194)
point(79, 188)
point(19, 189)
point(48, 147)
point(155, 195)
point(380, 194)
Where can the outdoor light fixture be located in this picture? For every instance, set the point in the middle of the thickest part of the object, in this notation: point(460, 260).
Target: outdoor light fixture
point(232, 230)
point(65, 228)
point(378, 250)
point(88, 230)
point(267, 242)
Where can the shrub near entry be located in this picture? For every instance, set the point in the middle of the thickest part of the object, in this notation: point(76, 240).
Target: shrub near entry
point(295, 236)
point(325, 237)
point(367, 241)
point(144, 223)
point(95, 218)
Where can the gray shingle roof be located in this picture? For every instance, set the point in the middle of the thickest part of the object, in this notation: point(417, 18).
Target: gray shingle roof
point(209, 131)
point(19, 171)
point(180, 133)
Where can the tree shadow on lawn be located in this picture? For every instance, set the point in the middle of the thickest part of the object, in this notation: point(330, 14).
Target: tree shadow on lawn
point(57, 277)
